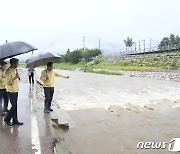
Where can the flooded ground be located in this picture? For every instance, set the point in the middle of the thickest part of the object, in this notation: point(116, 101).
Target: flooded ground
point(113, 113)
point(106, 115)
point(88, 90)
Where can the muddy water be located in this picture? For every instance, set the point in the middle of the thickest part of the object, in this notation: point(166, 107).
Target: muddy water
point(137, 110)
point(119, 131)
point(87, 90)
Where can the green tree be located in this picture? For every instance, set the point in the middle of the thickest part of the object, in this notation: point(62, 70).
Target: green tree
point(75, 56)
point(86, 53)
point(164, 43)
point(96, 52)
point(68, 51)
point(172, 40)
point(128, 43)
point(90, 54)
point(66, 58)
point(177, 39)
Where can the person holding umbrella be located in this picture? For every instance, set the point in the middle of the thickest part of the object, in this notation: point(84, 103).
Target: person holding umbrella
point(3, 93)
point(11, 84)
point(48, 77)
point(31, 71)
point(9, 50)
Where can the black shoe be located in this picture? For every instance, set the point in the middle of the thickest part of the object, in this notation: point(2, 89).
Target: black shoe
point(6, 110)
point(2, 114)
point(8, 123)
point(50, 110)
point(17, 123)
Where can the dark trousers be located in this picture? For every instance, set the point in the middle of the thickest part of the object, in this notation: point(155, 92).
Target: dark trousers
point(31, 77)
point(3, 95)
point(12, 114)
point(48, 92)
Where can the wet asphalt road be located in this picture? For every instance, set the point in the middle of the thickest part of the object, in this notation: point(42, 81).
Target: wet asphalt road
point(21, 139)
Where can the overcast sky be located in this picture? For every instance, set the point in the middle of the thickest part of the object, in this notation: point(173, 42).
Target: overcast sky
point(56, 25)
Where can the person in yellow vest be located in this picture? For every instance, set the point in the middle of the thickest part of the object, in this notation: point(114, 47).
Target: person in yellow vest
point(3, 93)
point(11, 85)
point(48, 77)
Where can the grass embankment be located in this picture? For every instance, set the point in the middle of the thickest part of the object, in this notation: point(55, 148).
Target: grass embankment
point(81, 65)
point(124, 65)
point(116, 67)
point(103, 69)
point(126, 68)
point(102, 72)
point(69, 66)
point(150, 62)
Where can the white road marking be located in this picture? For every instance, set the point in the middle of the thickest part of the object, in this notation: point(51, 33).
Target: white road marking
point(36, 146)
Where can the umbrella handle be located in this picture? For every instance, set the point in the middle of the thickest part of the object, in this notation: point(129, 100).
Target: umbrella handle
point(18, 73)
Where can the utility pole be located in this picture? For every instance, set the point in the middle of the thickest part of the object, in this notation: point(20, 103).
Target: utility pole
point(140, 46)
point(150, 45)
point(135, 47)
point(144, 41)
point(132, 48)
point(99, 44)
point(83, 42)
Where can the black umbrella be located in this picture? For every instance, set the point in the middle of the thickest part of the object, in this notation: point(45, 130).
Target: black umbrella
point(12, 49)
point(42, 59)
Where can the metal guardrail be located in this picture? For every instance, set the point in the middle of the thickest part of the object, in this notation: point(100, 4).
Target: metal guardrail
point(158, 50)
point(147, 51)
